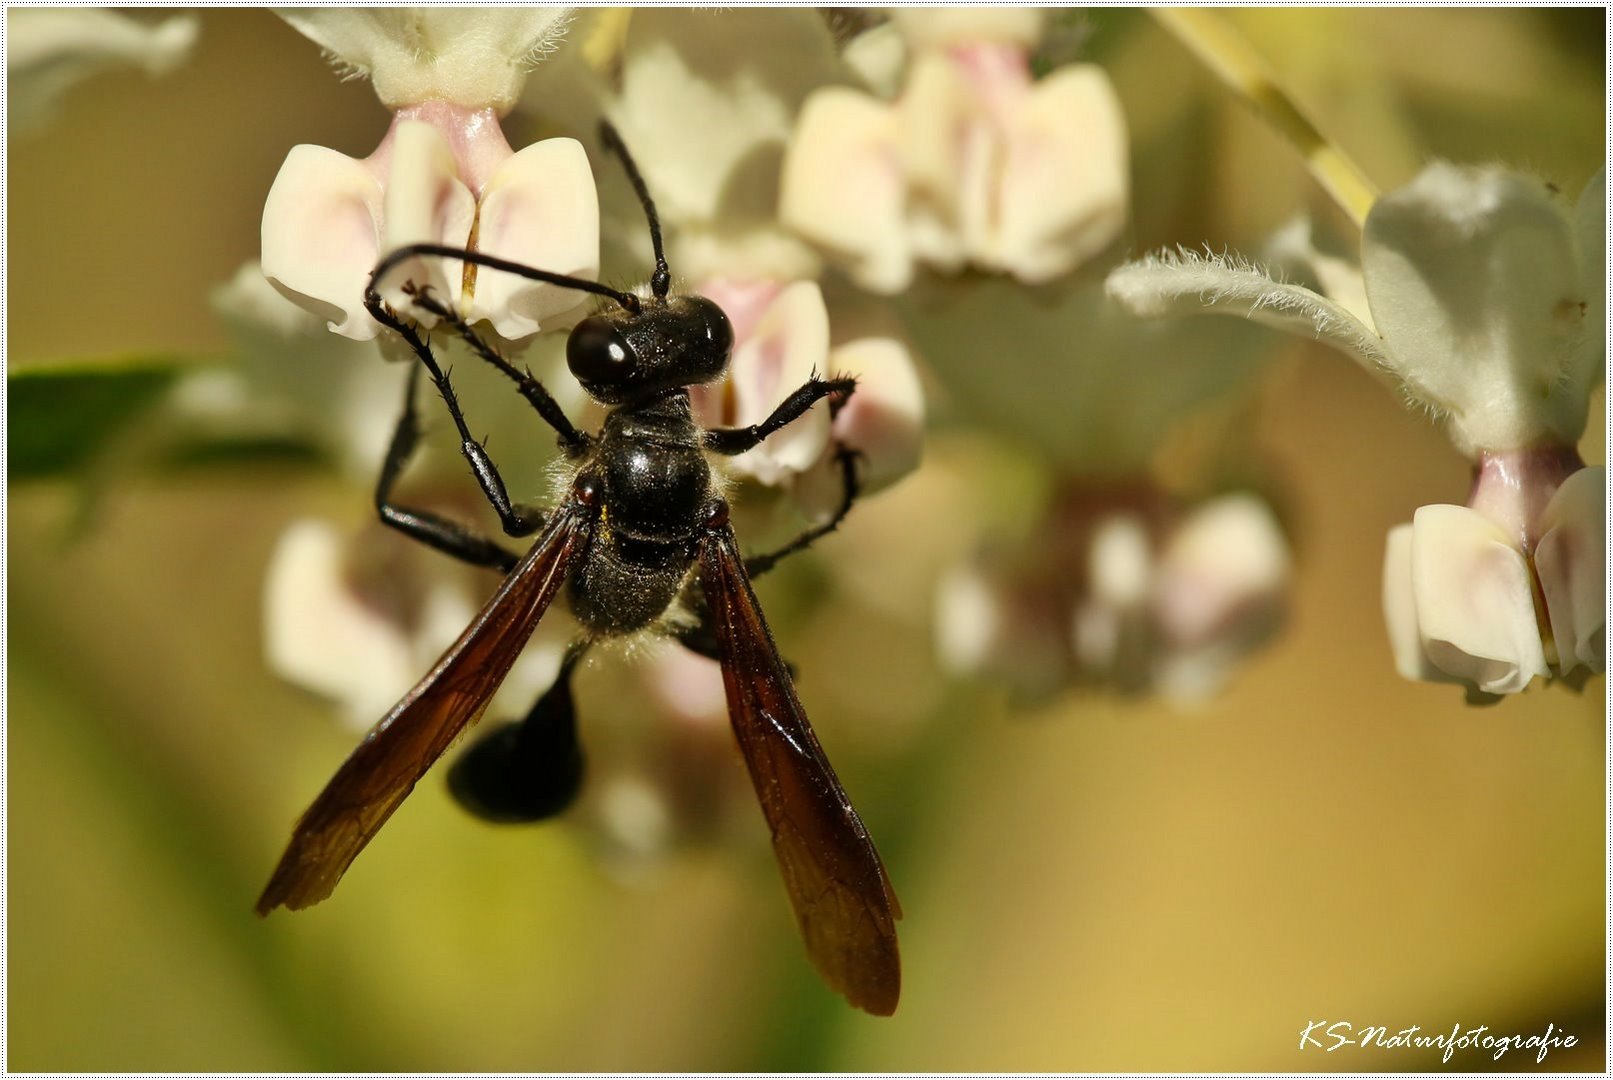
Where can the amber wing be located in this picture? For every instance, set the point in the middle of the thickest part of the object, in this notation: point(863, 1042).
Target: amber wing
point(843, 900)
point(396, 752)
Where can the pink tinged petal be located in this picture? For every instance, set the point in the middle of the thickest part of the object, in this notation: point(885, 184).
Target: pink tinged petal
point(843, 189)
point(474, 137)
point(540, 208)
point(1571, 559)
point(1224, 575)
point(425, 204)
point(962, 25)
point(1474, 280)
point(1475, 605)
point(687, 686)
point(321, 229)
point(951, 153)
point(1400, 610)
point(319, 634)
point(884, 419)
point(1062, 196)
point(790, 344)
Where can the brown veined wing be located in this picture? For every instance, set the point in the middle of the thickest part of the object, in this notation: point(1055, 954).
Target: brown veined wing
point(843, 900)
point(396, 752)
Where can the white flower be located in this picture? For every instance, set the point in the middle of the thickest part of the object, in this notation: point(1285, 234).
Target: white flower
point(356, 613)
point(1481, 301)
point(49, 50)
point(707, 106)
point(781, 339)
point(358, 618)
point(975, 162)
point(1121, 590)
point(443, 174)
point(476, 58)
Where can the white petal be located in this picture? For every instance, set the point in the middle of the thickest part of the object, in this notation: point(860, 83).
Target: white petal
point(969, 620)
point(687, 686)
point(49, 50)
point(789, 345)
point(843, 188)
point(320, 635)
point(1062, 194)
point(540, 209)
point(987, 624)
point(708, 104)
point(475, 57)
point(1224, 575)
point(884, 420)
point(425, 202)
point(1571, 559)
point(1185, 283)
point(941, 27)
point(877, 57)
point(1475, 607)
point(951, 153)
point(1400, 610)
point(321, 228)
point(1120, 562)
point(1294, 246)
point(1474, 281)
point(1590, 230)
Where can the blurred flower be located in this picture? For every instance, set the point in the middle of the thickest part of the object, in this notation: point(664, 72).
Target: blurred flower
point(442, 174)
point(353, 611)
point(1120, 587)
point(357, 616)
point(974, 163)
point(1480, 299)
point(50, 50)
point(1100, 591)
point(716, 188)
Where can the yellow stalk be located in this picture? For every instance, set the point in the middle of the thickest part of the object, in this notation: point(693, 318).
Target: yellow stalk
point(1224, 51)
point(607, 35)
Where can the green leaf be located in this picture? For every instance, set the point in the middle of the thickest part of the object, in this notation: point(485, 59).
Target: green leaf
point(60, 416)
point(266, 451)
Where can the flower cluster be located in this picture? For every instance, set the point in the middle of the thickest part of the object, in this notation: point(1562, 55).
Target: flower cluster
point(974, 162)
point(1479, 299)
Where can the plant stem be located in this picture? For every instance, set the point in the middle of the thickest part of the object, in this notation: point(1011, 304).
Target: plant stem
point(1220, 47)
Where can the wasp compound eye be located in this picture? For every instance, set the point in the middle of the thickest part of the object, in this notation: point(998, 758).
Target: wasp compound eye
point(718, 330)
point(599, 355)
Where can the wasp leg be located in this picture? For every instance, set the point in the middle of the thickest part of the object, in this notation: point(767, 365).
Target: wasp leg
point(530, 769)
point(518, 520)
point(731, 441)
point(431, 529)
point(574, 442)
point(846, 458)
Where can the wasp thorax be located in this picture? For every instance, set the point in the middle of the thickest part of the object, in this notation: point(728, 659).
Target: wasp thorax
point(620, 355)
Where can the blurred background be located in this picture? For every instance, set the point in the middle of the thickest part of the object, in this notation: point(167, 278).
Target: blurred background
point(1092, 881)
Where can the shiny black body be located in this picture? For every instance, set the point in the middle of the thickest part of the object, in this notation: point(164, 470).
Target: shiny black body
point(656, 486)
point(642, 512)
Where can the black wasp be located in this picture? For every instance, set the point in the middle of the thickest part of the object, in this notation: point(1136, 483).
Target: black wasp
point(643, 526)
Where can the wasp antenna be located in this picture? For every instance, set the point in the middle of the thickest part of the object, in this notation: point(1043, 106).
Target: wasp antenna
point(661, 280)
point(532, 273)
